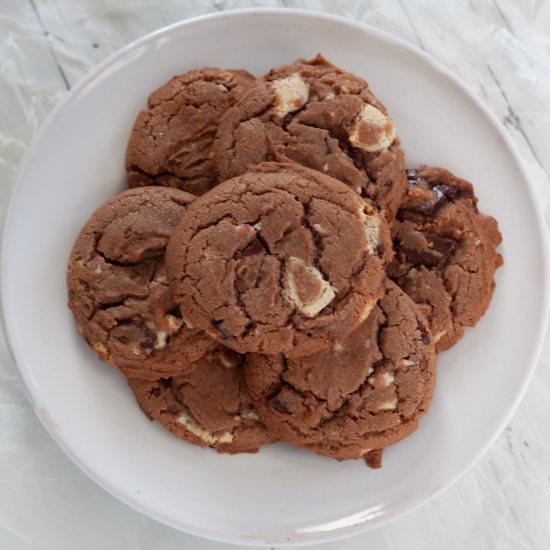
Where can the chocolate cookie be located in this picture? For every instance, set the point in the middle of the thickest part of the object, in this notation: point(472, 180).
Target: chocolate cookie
point(208, 407)
point(118, 290)
point(171, 140)
point(363, 393)
point(445, 252)
point(280, 259)
point(320, 116)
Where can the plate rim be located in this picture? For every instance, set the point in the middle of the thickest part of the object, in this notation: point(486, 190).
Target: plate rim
point(319, 536)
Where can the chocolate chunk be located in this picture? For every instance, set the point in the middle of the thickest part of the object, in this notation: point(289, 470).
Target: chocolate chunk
point(219, 326)
point(374, 458)
point(439, 249)
point(441, 194)
point(279, 405)
point(444, 246)
point(149, 339)
point(428, 208)
point(412, 177)
point(173, 408)
point(450, 192)
point(255, 247)
point(427, 257)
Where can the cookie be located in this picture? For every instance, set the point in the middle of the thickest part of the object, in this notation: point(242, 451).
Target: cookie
point(279, 259)
point(171, 140)
point(118, 290)
point(361, 395)
point(446, 253)
point(208, 407)
point(322, 117)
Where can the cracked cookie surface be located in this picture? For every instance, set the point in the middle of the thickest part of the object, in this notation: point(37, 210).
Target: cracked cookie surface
point(280, 259)
point(445, 252)
point(208, 407)
point(118, 289)
point(322, 117)
point(362, 394)
point(171, 140)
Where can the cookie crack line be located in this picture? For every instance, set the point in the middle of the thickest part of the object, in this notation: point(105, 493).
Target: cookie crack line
point(345, 148)
point(235, 127)
point(135, 168)
point(317, 240)
point(156, 176)
point(191, 77)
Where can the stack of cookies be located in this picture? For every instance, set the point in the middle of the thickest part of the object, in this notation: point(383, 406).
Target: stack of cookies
point(275, 273)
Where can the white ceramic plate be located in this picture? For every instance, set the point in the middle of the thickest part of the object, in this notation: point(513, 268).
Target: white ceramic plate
point(281, 495)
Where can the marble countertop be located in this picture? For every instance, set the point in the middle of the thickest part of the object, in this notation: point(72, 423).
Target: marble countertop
point(501, 48)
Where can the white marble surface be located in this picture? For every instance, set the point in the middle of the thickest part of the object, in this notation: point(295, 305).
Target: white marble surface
point(501, 48)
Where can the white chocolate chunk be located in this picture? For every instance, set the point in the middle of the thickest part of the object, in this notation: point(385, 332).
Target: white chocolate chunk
point(388, 405)
point(325, 295)
point(99, 348)
point(372, 130)
point(337, 347)
point(245, 226)
point(250, 415)
point(372, 232)
point(186, 321)
point(98, 269)
point(439, 335)
point(205, 435)
point(228, 359)
point(161, 278)
point(366, 312)
point(406, 363)
point(318, 228)
point(291, 94)
point(162, 338)
point(381, 380)
point(174, 324)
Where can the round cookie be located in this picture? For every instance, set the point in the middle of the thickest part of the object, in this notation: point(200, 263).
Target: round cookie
point(171, 140)
point(280, 259)
point(360, 395)
point(118, 289)
point(445, 252)
point(208, 407)
point(322, 117)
